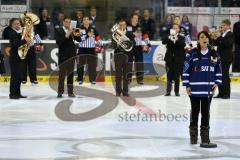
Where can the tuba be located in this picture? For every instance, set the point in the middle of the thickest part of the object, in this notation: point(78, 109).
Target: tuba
point(28, 19)
point(121, 39)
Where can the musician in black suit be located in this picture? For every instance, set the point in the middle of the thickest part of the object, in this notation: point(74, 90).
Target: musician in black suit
point(2, 67)
point(14, 59)
point(67, 49)
point(121, 59)
point(174, 58)
point(236, 29)
point(30, 67)
point(224, 45)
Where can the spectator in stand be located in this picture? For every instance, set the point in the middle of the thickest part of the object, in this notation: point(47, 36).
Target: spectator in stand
point(166, 26)
point(7, 30)
point(173, 16)
point(93, 15)
point(236, 29)
point(187, 25)
point(148, 24)
point(43, 28)
point(78, 16)
point(183, 31)
point(96, 21)
point(201, 3)
point(59, 22)
point(235, 3)
point(137, 11)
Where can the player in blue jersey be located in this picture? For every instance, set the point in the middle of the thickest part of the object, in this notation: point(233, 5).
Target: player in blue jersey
point(201, 75)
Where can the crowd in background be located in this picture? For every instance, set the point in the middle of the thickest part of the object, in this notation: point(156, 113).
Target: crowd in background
point(204, 3)
point(48, 24)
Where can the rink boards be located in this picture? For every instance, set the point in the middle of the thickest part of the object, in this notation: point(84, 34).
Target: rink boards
point(47, 62)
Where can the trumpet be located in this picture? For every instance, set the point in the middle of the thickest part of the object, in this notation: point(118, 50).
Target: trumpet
point(215, 32)
point(76, 32)
point(121, 39)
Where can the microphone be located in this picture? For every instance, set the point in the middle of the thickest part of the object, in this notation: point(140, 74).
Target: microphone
point(213, 52)
point(211, 47)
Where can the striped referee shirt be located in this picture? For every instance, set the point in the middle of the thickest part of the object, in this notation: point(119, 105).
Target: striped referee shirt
point(86, 41)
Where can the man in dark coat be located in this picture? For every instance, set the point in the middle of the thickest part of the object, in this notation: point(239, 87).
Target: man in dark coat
point(14, 59)
point(174, 58)
point(224, 45)
point(148, 24)
point(121, 59)
point(236, 29)
point(67, 50)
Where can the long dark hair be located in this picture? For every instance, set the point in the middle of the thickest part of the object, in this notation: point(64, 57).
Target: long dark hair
point(213, 53)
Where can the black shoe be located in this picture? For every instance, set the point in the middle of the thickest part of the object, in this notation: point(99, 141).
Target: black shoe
point(205, 138)
point(218, 96)
point(167, 94)
point(225, 97)
point(24, 82)
point(208, 145)
point(140, 82)
point(80, 82)
point(14, 97)
point(71, 95)
point(93, 82)
point(59, 95)
point(177, 94)
point(35, 82)
point(21, 96)
point(126, 95)
point(118, 94)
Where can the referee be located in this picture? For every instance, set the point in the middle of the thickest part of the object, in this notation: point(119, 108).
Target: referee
point(89, 37)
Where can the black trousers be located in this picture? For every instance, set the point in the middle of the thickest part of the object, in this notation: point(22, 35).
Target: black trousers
point(236, 64)
point(122, 69)
point(198, 103)
point(66, 69)
point(30, 67)
point(174, 71)
point(16, 77)
point(225, 89)
point(2, 66)
point(87, 56)
point(137, 57)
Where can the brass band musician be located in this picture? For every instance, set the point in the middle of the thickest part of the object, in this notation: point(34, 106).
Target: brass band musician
point(21, 44)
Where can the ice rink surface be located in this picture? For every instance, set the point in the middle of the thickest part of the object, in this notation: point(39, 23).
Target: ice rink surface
point(41, 127)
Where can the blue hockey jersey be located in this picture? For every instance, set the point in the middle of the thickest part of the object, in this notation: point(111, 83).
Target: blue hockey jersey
point(201, 72)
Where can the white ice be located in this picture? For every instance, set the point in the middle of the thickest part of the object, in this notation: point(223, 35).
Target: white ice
point(30, 129)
